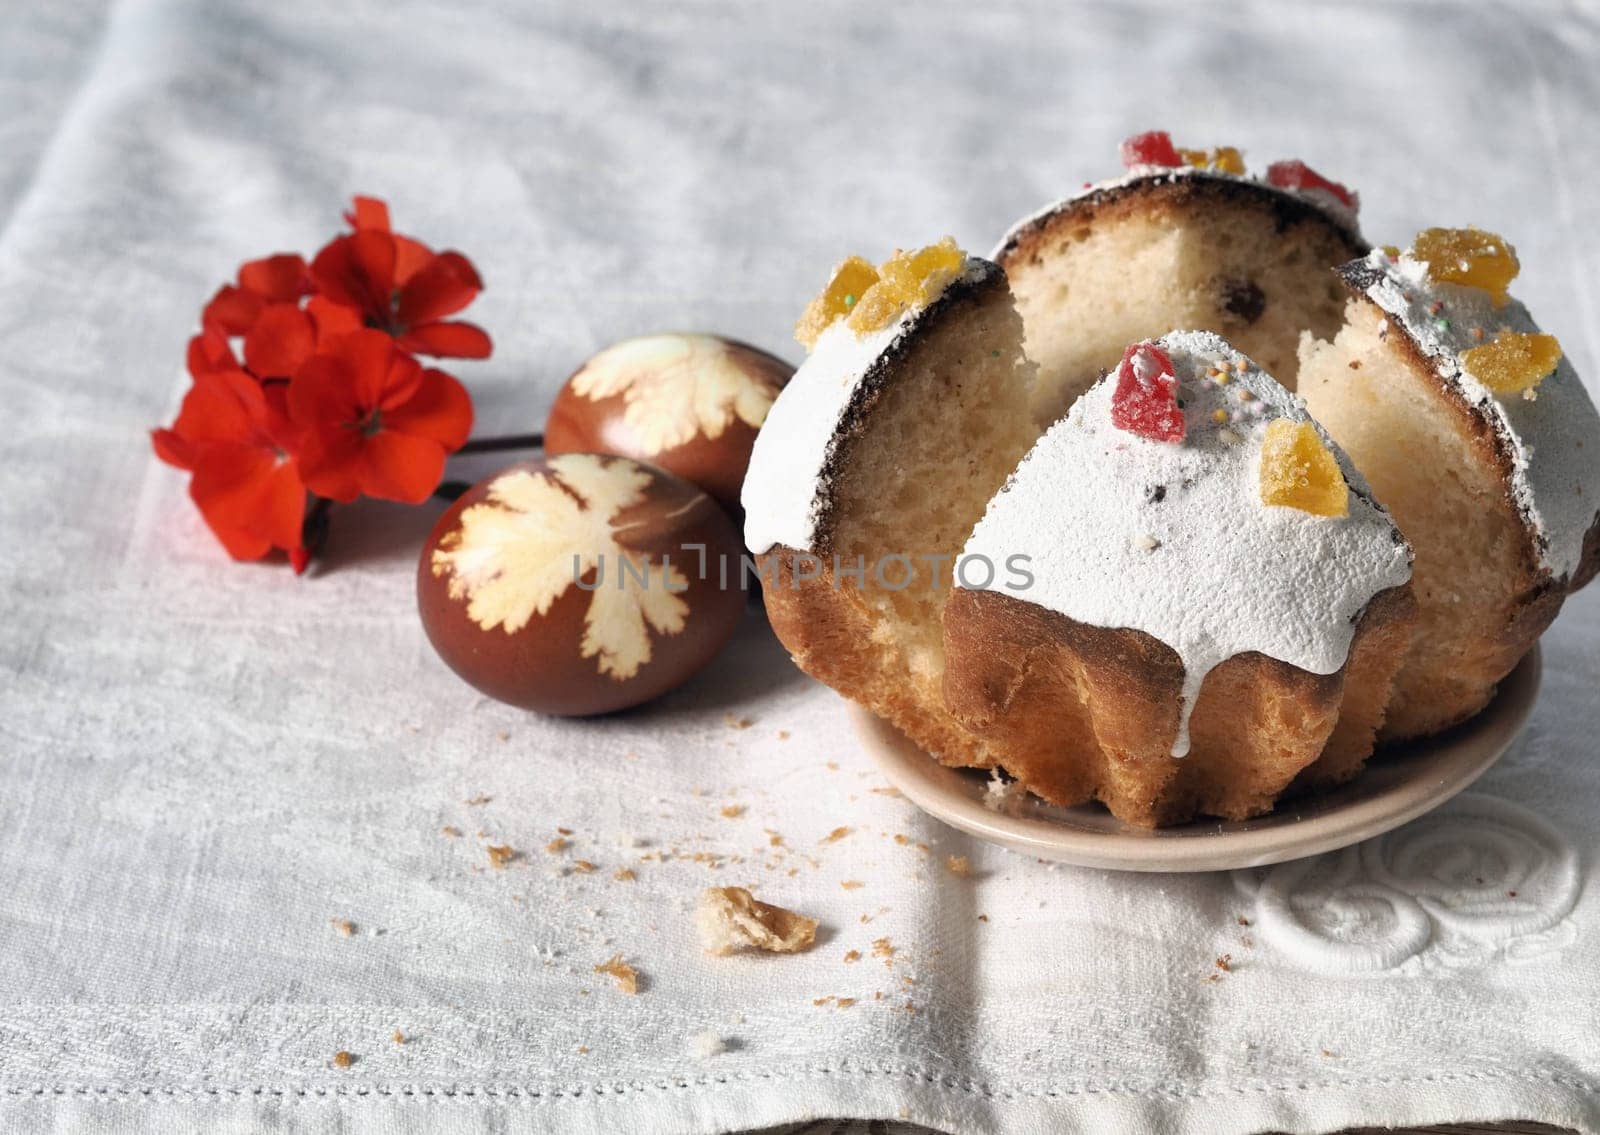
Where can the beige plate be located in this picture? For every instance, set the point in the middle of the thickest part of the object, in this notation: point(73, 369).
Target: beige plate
point(1399, 785)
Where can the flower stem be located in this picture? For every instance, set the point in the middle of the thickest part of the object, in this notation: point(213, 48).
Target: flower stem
point(450, 490)
point(496, 444)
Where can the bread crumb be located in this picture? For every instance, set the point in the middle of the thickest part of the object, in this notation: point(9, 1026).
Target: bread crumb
point(480, 798)
point(582, 866)
point(450, 830)
point(343, 1059)
point(730, 918)
point(344, 926)
point(705, 1045)
point(398, 1037)
point(627, 977)
point(852, 884)
point(852, 956)
point(624, 875)
point(500, 855)
point(556, 846)
point(732, 811)
point(835, 835)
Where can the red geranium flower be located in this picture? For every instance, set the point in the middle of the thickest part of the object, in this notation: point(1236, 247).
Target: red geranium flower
point(264, 307)
point(376, 278)
point(373, 420)
point(234, 435)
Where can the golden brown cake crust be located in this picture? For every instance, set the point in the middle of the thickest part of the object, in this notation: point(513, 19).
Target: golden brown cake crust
point(1089, 713)
point(1170, 192)
point(828, 630)
point(1489, 652)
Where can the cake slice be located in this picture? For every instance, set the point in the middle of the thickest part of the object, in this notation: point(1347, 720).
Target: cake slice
point(872, 467)
point(1184, 239)
point(1216, 608)
point(1481, 439)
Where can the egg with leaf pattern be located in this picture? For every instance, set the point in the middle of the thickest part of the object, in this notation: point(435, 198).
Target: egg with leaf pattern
point(690, 403)
point(580, 583)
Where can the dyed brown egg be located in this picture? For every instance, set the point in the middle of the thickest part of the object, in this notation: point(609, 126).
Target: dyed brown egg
point(580, 584)
point(689, 403)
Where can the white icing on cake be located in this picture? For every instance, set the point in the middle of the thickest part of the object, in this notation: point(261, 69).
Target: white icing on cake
point(1206, 568)
point(1337, 211)
point(785, 486)
point(1552, 439)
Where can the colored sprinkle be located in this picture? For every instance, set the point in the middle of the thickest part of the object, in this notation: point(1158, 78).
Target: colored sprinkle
point(1219, 416)
point(1477, 334)
point(1442, 324)
point(849, 300)
point(1246, 396)
point(1229, 437)
point(1241, 366)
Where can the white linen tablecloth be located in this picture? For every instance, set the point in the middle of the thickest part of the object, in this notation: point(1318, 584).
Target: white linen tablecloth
point(203, 765)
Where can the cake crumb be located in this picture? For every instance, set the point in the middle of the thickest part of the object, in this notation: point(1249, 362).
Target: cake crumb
point(556, 846)
point(832, 766)
point(582, 866)
point(344, 926)
point(883, 948)
point(730, 918)
point(983, 918)
point(958, 865)
point(732, 811)
point(343, 1059)
point(996, 791)
point(783, 734)
point(733, 722)
point(838, 1002)
point(1144, 542)
point(480, 798)
point(1243, 921)
point(705, 1045)
point(852, 956)
point(627, 977)
point(835, 835)
point(624, 875)
point(1225, 963)
point(852, 884)
point(583, 1050)
point(450, 830)
point(888, 791)
point(398, 1037)
point(500, 855)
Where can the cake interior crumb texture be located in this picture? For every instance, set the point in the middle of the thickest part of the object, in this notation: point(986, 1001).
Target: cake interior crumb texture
point(1096, 277)
point(1386, 412)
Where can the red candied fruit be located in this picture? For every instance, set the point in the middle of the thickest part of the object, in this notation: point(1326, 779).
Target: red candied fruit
point(1152, 148)
point(1145, 401)
point(1297, 175)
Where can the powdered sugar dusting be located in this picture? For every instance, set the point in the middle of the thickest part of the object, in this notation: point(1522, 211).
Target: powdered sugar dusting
point(1226, 574)
point(1553, 439)
point(784, 487)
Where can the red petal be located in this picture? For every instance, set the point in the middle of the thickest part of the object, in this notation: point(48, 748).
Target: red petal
point(411, 256)
point(277, 279)
point(209, 352)
point(172, 448)
point(443, 286)
point(399, 467)
point(282, 338)
point(441, 411)
point(332, 319)
point(223, 406)
point(321, 397)
point(331, 464)
point(232, 311)
point(448, 340)
point(358, 271)
point(368, 213)
point(299, 560)
point(374, 364)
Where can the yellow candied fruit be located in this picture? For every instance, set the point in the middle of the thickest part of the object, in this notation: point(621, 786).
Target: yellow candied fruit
point(1514, 362)
point(850, 282)
point(1391, 251)
point(1472, 257)
point(1227, 159)
point(1298, 471)
point(906, 279)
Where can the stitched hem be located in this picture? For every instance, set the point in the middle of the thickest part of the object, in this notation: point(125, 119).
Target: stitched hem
point(513, 1092)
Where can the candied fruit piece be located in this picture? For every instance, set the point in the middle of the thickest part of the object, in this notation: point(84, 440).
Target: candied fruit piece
point(1152, 148)
point(1515, 362)
point(850, 282)
point(1469, 256)
point(1298, 471)
point(1298, 175)
point(1226, 159)
point(906, 279)
point(1145, 401)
